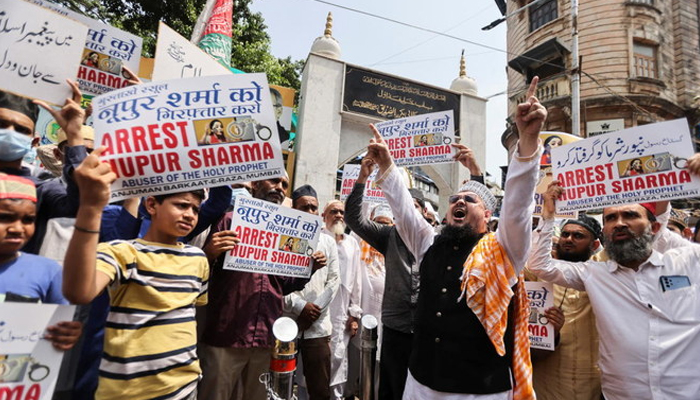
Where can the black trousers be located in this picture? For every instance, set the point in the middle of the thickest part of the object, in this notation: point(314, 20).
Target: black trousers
point(393, 368)
point(316, 354)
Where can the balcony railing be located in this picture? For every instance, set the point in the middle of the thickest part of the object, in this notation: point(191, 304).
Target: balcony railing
point(549, 89)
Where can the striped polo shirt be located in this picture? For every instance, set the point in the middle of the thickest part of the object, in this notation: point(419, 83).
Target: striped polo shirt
point(150, 348)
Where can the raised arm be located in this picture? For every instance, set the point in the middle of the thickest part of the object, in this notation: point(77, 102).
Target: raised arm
point(81, 282)
point(540, 262)
point(413, 229)
point(515, 226)
point(375, 234)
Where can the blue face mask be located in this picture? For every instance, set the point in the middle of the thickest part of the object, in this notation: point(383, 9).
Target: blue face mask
point(13, 145)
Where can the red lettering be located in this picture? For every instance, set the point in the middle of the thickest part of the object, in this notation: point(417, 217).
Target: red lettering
point(122, 141)
point(139, 138)
point(183, 130)
point(17, 393)
point(107, 142)
point(154, 135)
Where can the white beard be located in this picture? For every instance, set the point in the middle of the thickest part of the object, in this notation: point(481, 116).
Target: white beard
point(338, 228)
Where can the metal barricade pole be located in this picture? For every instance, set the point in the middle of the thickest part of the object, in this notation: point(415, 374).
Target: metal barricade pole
point(279, 382)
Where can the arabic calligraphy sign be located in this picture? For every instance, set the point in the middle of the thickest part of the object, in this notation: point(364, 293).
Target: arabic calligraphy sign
point(641, 164)
point(176, 57)
point(378, 95)
point(39, 50)
point(29, 364)
point(275, 240)
point(166, 137)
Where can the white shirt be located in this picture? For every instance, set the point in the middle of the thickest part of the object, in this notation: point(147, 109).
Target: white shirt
point(320, 290)
point(513, 234)
point(649, 339)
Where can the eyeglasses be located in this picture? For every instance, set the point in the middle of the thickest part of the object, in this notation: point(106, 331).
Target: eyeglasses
point(574, 235)
point(468, 198)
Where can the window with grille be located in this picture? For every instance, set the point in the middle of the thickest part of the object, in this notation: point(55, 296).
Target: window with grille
point(645, 60)
point(542, 14)
point(647, 2)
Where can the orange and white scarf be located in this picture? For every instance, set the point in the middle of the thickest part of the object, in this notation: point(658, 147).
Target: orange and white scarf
point(487, 281)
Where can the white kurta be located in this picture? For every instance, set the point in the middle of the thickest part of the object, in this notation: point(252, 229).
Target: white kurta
point(346, 303)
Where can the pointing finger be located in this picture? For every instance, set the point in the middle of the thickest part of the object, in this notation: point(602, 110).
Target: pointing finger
point(377, 136)
point(533, 87)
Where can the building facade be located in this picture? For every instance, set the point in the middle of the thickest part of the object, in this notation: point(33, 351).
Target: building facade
point(639, 62)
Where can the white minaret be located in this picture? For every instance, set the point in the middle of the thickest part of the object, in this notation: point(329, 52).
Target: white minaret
point(326, 45)
point(463, 83)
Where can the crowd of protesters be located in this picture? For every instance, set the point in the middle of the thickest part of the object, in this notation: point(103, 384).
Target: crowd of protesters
point(160, 318)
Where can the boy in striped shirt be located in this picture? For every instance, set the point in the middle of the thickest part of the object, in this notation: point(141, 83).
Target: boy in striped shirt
point(154, 285)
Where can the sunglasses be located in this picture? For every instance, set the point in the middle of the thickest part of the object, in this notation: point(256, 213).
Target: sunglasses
point(468, 198)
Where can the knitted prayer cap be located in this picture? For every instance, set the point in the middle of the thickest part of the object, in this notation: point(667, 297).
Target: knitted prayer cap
point(382, 210)
point(20, 104)
point(15, 187)
point(587, 222)
point(302, 191)
point(483, 192)
point(680, 217)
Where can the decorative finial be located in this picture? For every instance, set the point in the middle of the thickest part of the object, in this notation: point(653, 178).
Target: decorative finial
point(462, 66)
point(329, 25)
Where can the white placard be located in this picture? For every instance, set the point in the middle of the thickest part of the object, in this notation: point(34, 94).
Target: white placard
point(187, 134)
point(372, 192)
point(176, 57)
point(421, 139)
point(541, 296)
point(275, 240)
point(635, 165)
point(39, 50)
point(105, 50)
point(29, 364)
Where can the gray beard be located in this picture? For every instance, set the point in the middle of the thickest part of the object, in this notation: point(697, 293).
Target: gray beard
point(633, 250)
point(338, 228)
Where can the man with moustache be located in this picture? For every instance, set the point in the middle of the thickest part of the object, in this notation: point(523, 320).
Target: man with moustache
point(310, 307)
point(470, 339)
point(237, 341)
point(647, 305)
point(571, 371)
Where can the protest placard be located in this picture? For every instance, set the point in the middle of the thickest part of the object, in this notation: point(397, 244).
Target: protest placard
point(550, 140)
point(186, 134)
point(275, 240)
point(105, 51)
point(39, 50)
point(420, 140)
point(176, 57)
point(541, 296)
point(372, 193)
point(636, 165)
point(29, 364)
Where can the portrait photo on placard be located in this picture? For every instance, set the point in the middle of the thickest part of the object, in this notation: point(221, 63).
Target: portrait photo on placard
point(224, 130)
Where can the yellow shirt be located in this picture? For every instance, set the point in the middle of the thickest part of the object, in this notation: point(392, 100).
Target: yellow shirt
point(150, 335)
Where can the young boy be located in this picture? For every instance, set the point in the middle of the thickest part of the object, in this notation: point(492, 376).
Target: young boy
point(27, 277)
point(154, 284)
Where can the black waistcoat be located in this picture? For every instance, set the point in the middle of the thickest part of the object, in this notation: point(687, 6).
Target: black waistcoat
point(451, 350)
